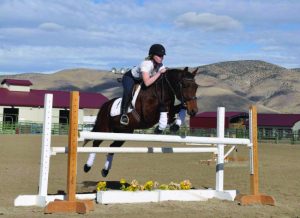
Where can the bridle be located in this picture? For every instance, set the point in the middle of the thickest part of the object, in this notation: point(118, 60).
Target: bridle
point(182, 99)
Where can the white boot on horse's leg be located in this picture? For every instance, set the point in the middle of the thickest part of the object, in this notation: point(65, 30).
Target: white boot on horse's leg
point(89, 163)
point(107, 165)
point(162, 123)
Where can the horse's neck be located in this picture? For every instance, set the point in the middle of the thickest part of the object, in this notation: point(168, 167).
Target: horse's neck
point(165, 89)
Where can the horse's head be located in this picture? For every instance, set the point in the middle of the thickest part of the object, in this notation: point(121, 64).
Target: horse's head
point(184, 86)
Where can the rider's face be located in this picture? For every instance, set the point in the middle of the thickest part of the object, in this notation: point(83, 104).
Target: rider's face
point(158, 59)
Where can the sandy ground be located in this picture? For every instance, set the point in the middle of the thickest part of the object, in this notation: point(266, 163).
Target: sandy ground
point(279, 177)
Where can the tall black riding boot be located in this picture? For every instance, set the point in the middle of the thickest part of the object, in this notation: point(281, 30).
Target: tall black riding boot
point(124, 120)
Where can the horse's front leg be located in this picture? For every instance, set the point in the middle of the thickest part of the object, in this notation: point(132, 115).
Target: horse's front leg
point(180, 120)
point(109, 158)
point(91, 158)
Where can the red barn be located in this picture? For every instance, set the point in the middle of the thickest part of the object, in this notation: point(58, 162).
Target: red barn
point(207, 120)
point(20, 103)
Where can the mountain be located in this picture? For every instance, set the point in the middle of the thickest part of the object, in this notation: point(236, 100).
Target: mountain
point(234, 84)
point(296, 69)
point(271, 87)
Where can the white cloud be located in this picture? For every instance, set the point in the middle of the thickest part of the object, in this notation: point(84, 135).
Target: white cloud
point(207, 21)
point(47, 35)
point(49, 26)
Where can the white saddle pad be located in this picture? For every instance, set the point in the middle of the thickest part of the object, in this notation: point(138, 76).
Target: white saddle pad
point(116, 107)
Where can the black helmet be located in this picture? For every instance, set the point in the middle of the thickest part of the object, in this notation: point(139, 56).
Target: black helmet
point(157, 49)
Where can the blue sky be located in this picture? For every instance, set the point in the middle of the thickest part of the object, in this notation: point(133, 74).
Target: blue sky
point(47, 36)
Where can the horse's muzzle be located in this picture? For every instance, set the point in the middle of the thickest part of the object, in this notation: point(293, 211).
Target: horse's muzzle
point(192, 108)
point(192, 112)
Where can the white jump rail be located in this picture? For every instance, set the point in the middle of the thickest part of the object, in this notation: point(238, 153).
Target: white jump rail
point(162, 138)
point(56, 150)
point(42, 199)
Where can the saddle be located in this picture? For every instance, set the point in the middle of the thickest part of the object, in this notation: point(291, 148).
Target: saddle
point(116, 106)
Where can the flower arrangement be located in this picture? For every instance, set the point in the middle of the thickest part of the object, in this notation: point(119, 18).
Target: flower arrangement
point(101, 186)
point(148, 186)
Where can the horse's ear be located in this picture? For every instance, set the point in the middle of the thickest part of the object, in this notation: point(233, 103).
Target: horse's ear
point(195, 71)
point(186, 69)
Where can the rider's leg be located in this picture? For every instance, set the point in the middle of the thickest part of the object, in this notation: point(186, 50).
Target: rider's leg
point(128, 83)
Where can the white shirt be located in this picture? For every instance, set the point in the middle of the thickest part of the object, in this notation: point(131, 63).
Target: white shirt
point(146, 66)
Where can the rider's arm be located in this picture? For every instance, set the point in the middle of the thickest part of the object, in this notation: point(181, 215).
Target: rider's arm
point(149, 80)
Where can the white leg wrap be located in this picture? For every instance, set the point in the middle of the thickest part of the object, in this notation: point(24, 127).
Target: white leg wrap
point(108, 162)
point(178, 121)
point(163, 120)
point(181, 117)
point(91, 159)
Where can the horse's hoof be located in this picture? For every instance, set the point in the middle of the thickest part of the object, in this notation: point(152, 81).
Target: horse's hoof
point(104, 172)
point(157, 130)
point(86, 168)
point(174, 128)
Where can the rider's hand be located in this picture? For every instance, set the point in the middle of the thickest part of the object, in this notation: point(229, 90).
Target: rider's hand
point(163, 70)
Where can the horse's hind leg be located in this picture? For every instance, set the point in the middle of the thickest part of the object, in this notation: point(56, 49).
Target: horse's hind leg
point(91, 158)
point(109, 158)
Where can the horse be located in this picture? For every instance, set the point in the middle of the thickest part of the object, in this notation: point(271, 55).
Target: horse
point(160, 96)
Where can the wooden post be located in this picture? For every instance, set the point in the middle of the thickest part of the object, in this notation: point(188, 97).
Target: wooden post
point(255, 197)
point(71, 204)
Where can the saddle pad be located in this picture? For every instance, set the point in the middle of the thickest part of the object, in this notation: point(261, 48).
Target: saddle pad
point(116, 106)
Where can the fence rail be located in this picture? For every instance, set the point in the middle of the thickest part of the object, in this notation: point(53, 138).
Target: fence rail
point(63, 129)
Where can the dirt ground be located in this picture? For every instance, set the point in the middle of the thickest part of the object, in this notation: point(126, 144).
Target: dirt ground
point(279, 177)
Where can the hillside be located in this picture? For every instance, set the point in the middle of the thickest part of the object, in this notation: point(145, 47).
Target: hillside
point(234, 85)
point(272, 87)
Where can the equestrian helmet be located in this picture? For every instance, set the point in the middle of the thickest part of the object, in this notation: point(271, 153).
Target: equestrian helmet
point(157, 49)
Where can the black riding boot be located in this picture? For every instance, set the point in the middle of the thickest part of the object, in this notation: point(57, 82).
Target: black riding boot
point(124, 120)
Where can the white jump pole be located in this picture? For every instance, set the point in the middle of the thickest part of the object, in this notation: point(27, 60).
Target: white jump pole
point(251, 141)
point(45, 150)
point(55, 150)
point(220, 159)
point(162, 138)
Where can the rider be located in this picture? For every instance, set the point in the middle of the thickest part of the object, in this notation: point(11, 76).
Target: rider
point(148, 71)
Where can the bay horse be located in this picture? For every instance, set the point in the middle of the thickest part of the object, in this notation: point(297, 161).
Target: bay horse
point(160, 96)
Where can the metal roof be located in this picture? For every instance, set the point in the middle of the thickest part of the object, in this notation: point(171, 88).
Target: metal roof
point(208, 119)
point(227, 114)
point(284, 120)
point(16, 82)
point(61, 99)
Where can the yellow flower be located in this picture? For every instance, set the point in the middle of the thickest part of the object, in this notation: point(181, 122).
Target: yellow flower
point(134, 186)
point(123, 181)
point(163, 187)
point(101, 186)
point(185, 185)
point(134, 183)
point(123, 184)
point(149, 185)
point(173, 186)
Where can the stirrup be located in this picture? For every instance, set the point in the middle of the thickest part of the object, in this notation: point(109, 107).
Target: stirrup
point(124, 120)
